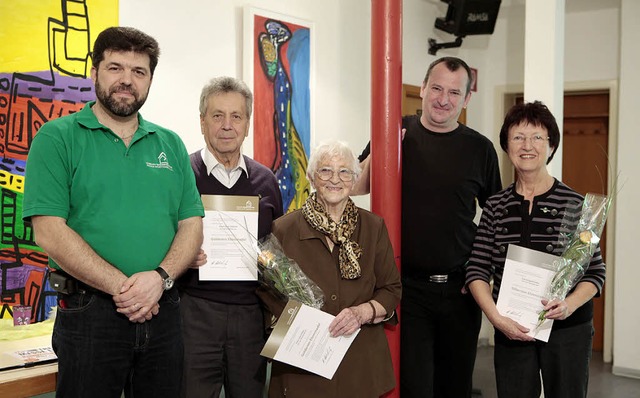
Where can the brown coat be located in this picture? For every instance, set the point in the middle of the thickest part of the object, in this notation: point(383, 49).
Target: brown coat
point(366, 370)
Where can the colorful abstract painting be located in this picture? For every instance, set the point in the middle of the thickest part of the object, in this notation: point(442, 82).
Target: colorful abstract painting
point(280, 72)
point(44, 74)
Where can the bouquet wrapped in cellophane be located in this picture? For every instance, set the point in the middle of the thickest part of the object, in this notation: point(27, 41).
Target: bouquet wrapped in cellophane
point(581, 244)
point(284, 276)
point(278, 273)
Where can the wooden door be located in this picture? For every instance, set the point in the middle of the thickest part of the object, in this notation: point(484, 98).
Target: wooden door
point(585, 165)
point(411, 100)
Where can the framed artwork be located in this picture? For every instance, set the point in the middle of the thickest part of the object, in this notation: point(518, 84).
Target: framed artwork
point(278, 66)
point(44, 74)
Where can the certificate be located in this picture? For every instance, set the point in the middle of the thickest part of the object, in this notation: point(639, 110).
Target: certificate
point(526, 278)
point(230, 226)
point(26, 352)
point(301, 338)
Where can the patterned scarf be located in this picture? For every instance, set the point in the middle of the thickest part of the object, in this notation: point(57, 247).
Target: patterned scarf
point(339, 233)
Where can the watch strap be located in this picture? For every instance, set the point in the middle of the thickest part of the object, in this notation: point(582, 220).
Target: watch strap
point(162, 273)
point(167, 281)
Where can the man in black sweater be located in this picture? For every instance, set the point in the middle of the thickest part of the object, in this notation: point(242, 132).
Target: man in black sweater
point(223, 323)
point(446, 168)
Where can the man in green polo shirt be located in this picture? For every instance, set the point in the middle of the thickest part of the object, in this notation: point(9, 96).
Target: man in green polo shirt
point(113, 202)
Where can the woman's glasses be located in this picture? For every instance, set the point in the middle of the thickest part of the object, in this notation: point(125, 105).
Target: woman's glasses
point(325, 174)
point(536, 139)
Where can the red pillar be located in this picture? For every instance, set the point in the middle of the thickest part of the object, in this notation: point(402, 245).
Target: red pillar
point(386, 123)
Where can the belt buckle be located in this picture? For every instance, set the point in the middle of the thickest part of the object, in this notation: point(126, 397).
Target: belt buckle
point(438, 278)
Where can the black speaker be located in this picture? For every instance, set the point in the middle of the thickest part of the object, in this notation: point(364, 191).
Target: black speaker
point(469, 17)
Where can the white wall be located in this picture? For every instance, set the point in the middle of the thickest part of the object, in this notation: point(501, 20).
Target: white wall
point(591, 53)
point(417, 23)
point(592, 40)
point(202, 39)
point(626, 350)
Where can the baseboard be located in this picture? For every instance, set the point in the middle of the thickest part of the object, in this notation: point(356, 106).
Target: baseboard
point(626, 372)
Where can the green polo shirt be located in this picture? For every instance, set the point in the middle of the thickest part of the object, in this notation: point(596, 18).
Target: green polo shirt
point(124, 202)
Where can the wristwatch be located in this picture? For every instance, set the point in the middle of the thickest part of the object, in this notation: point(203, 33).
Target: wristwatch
point(167, 281)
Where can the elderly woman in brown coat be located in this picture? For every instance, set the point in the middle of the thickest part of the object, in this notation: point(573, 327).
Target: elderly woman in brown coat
point(346, 251)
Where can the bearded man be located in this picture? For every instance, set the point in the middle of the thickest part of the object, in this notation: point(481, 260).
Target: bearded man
point(114, 204)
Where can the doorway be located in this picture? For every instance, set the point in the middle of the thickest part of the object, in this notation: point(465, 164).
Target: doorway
point(585, 156)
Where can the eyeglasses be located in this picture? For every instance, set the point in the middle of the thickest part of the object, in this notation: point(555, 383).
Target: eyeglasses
point(536, 139)
point(325, 174)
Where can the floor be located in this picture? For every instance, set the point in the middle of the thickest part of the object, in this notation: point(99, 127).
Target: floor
point(602, 383)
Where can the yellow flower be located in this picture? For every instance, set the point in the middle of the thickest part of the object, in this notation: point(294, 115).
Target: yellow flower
point(585, 236)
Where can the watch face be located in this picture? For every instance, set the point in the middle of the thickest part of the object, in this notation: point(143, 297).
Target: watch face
point(168, 283)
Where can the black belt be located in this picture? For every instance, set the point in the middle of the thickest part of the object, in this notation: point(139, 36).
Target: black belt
point(455, 275)
point(64, 283)
point(439, 278)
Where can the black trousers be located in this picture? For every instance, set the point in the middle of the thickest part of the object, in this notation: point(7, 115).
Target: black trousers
point(222, 344)
point(101, 353)
point(439, 336)
point(563, 363)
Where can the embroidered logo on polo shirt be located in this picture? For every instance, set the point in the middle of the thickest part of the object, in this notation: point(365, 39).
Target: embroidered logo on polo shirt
point(162, 163)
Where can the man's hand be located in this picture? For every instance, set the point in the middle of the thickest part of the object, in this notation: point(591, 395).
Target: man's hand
point(139, 296)
point(199, 261)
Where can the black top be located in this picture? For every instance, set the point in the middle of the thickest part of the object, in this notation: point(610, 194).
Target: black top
point(443, 174)
point(261, 182)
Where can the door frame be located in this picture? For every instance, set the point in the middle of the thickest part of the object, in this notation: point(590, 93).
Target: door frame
point(504, 98)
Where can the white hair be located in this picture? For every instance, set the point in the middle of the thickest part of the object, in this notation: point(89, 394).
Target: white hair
point(330, 149)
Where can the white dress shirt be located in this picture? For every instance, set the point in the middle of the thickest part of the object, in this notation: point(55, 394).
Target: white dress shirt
point(228, 178)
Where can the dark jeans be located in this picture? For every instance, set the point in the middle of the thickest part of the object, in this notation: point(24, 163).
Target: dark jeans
point(563, 361)
point(102, 354)
point(222, 344)
point(439, 337)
